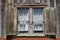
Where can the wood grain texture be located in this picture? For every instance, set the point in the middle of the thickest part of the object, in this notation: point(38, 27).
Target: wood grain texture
point(50, 22)
point(15, 20)
point(9, 20)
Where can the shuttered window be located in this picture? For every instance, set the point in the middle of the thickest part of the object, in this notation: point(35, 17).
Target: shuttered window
point(23, 14)
point(30, 20)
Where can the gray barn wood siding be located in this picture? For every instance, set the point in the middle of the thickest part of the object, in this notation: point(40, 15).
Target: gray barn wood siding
point(58, 17)
point(12, 23)
point(0, 18)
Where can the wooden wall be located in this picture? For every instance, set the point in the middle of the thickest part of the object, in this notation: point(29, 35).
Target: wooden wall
point(11, 20)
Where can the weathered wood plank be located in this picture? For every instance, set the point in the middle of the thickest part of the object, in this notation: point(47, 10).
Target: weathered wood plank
point(9, 2)
point(50, 22)
point(9, 20)
point(15, 20)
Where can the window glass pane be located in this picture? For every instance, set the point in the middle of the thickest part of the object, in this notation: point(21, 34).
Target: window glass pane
point(52, 3)
point(23, 14)
point(38, 26)
point(38, 19)
point(23, 26)
point(37, 15)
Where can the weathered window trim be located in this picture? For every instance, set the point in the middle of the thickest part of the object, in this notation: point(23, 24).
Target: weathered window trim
point(16, 25)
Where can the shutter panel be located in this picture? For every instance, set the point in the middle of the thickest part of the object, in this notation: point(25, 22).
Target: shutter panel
point(8, 20)
point(50, 25)
point(15, 21)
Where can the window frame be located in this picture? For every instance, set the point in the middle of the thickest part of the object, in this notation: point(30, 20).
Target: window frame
point(23, 20)
point(31, 28)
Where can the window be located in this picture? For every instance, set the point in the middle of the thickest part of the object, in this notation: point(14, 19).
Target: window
point(23, 14)
point(52, 3)
point(30, 21)
point(38, 19)
point(38, 26)
point(23, 20)
point(37, 14)
point(23, 27)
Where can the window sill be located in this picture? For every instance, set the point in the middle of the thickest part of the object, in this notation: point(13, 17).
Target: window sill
point(34, 34)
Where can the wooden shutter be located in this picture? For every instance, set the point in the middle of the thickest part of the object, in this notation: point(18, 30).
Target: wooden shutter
point(50, 22)
point(8, 22)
